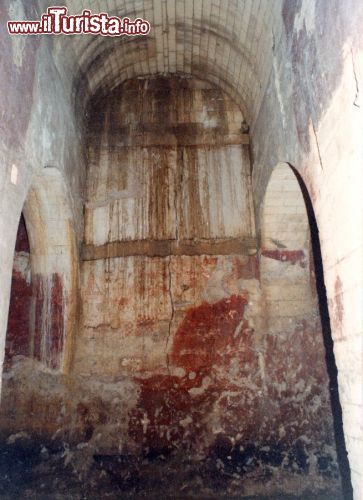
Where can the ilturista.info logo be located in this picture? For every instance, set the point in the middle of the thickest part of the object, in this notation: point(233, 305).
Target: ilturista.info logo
point(57, 22)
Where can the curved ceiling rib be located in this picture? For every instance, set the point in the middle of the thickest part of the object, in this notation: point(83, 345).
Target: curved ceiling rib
point(226, 42)
point(112, 63)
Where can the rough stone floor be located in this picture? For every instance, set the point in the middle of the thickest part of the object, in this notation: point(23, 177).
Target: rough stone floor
point(37, 471)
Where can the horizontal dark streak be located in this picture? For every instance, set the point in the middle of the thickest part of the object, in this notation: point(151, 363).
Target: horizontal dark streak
point(166, 248)
point(170, 140)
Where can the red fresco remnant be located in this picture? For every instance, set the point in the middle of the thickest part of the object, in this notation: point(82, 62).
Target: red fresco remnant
point(312, 274)
point(206, 334)
point(171, 410)
point(248, 270)
point(48, 329)
point(307, 338)
point(39, 301)
point(295, 365)
point(57, 322)
point(145, 321)
point(122, 302)
point(18, 331)
point(292, 256)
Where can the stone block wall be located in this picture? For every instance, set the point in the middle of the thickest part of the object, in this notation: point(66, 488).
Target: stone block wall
point(178, 304)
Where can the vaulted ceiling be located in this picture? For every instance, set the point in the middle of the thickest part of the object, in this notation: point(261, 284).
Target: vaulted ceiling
point(226, 42)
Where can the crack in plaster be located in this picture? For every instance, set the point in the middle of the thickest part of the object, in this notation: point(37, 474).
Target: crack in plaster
point(356, 97)
point(317, 145)
point(278, 91)
point(171, 317)
point(176, 201)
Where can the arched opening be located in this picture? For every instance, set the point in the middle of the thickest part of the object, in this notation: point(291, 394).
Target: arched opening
point(43, 305)
point(54, 265)
point(299, 336)
point(41, 324)
point(328, 344)
point(35, 322)
point(18, 335)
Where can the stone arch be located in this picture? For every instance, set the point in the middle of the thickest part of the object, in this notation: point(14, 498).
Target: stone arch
point(102, 70)
point(284, 212)
point(54, 269)
point(292, 280)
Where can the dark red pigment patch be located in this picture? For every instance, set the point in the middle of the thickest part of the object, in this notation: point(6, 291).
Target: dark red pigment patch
point(206, 336)
point(57, 322)
point(312, 273)
point(88, 416)
point(248, 270)
point(49, 323)
point(39, 304)
point(18, 331)
point(172, 412)
point(22, 240)
point(292, 256)
point(296, 370)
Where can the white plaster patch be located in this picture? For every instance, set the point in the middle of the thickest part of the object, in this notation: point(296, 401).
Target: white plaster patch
point(196, 391)
point(178, 372)
point(278, 92)
point(22, 265)
point(14, 175)
point(14, 437)
point(282, 431)
point(186, 421)
point(100, 226)
point(207, 120)
point(145, 422)
point(306, 16)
